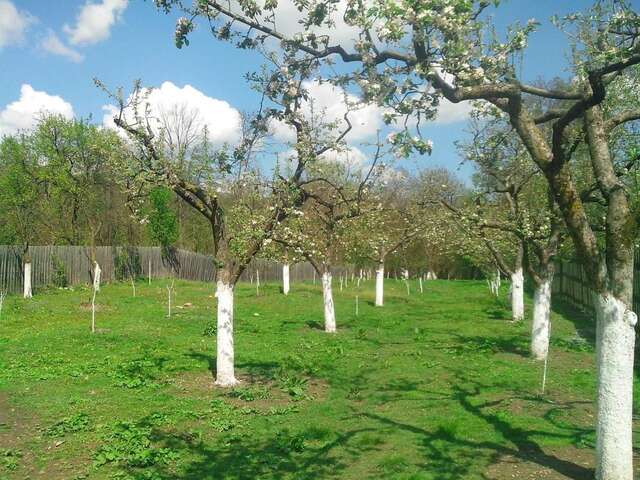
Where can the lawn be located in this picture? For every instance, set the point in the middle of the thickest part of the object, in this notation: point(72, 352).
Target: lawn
point(436, 385)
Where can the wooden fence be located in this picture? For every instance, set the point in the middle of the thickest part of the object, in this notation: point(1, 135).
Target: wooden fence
point(71, 265)
point(570, 282)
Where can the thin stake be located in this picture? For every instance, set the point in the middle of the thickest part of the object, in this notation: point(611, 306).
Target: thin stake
point(93, 311)
point(257, 283)
point(169, 289)
point(149, 270)
point(546, 360)
point(133, 284)
point(407, 284)
point(420, 282)
point(356, 305)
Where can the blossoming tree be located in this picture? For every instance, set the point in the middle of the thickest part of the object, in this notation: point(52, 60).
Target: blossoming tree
point(410, 54)
point(224, 184)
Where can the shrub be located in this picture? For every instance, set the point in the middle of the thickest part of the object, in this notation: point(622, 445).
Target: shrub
point(127, 263)
point(59, 273)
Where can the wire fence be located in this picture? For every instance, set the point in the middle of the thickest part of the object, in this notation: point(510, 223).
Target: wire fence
point(72, 265)
point(571, 283)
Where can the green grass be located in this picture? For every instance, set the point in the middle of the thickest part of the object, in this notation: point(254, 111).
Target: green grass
point(431, 386)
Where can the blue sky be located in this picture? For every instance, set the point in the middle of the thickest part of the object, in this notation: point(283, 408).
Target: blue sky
point(139, 44)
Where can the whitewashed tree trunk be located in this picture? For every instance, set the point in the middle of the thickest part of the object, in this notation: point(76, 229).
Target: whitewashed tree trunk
point(27, 291)
point(225, 375)
point(541, 324)
point(615, 338)
point(285, 279)
point(329, 310)
point(97, 272)
point(380, 285)
point(517, 295)
point(3, 295)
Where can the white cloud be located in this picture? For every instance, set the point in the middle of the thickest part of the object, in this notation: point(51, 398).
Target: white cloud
point(94, 22)
point(13, 23)
point(223, 122)
point(352, 157)
point(25, 112)
point(288, 18)
point(54, 45)
point(449, 112)
point(330, 101)
point(287, 22)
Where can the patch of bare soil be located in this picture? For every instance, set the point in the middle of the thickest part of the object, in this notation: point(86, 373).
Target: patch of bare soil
point(553, 463)
point(560, 463)
point(14, 432)
point(86, 307)
point(19, 433)
point(190, 383)
point(547, 464)
point(197, 383)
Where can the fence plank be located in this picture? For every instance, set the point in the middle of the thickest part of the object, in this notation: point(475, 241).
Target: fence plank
point(75, 261)
point(570, 283)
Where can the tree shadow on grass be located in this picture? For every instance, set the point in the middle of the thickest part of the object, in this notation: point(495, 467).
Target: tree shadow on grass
point(467, 344)
point(495, 312)
point(585, 324)
point(314, 325)
point(583, 321)
point(447, 450)
point(252, 371)
point(307, 454)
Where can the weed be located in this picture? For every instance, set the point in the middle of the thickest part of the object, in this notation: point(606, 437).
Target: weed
point(9, 458)
point(573, 344)
point(224, 417)
point(128, 444)
point(249, 394)
point(292, 383)
point(137, 373)
point(211, 330)
point(288, 442)
point(72, 424)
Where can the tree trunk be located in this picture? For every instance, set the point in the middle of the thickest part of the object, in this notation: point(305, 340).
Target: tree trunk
point(97, 271)
point(380, 284)
point(541, 325)
point(27, 291)
point(329, 311)
point(517, 295)
point(225, 374)
point(285, 279)
point(615, 338)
